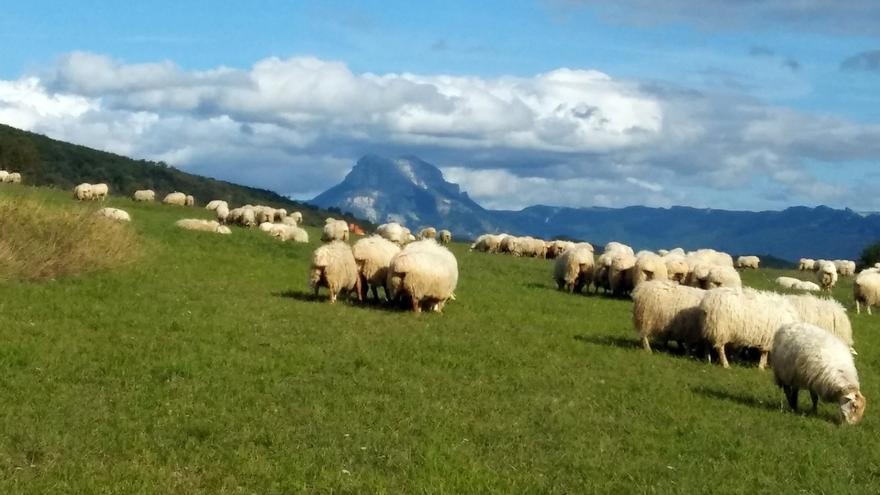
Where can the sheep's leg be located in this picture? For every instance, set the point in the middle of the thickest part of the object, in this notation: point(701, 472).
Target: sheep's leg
point(722, 356)
point(332, 296)
point(316, 291)
point(416, 307)
point(646, 344)
point(762, 362)
point(791, 393)
point(359, 290)
point(815, 398)
point(375, 291)
point(869, 309)
point(859, 307)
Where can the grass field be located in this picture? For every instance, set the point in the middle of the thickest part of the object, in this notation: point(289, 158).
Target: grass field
point(206, 367)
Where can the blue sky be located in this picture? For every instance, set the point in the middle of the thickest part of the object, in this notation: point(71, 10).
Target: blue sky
point(735, 104)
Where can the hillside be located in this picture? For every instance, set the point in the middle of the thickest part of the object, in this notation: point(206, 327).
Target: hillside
point(48, 162)
point(413, 191)
point(207, 367)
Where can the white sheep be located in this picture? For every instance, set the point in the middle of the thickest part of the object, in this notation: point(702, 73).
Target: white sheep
point(806, 356)
point(3, 175)
point(845, 268)
point(807, 264)
point(144, 195)
point(423, 273)
point(83, 192)
point(556, 247)
point(722, 276)
point(189, 201)
point(748, 262)
point(289, 220)
point(806, 286)
point(427, 233)
point(373, 257)
point(445, 237)
point(335, 230)
point(280, 214)
point(215, 203)
point(825, 313)
point(393, 231)
point(667, 311)
point(114, 214)
point(866, 289)
point(487, 243)
point(648, 266)
point(676, 267)
point(333, 267)
point(175, 198)
point(620, 273)
point(826, 275)
point(574, 268)
point(13, 178)
point(202, 225)
point(530, 247)
point(786, 282)
point(100, 191)
point(222, 213)
point(296, 216)
point(743, 318)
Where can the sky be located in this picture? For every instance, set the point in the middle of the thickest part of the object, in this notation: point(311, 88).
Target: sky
point(714, 103)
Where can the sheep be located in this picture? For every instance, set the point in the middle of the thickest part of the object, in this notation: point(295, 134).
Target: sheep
point(620, 273)
point(445, 237)
point(648, 266)
point(556, 248)
point(215, 203)
point(114, 214)
point(806, 356)
point(280, 214)
point(427, 233)
point(722, 276)
point(100, 191)
point(336, 230)
point(866, 289)
point(743, 318)
point(285, 232)
point(806, 264)
point(487, 243)
point(531, 247)
point(574, 268)
point(243, 216)
point(202, 225)
point(805, 285)
point(289, 220)
point(373, 257)
point(845, 268)
point(667, 311)
point(825, 313)
point(222, 213)
point(13, 178)
point(144, 195)
point(190, 201)
point(83, 192)
point(392, 231)
point(786, 282)
point(333, 266)
point(619, 247)
point(424, 272)
point(3, 175)
point(175, 198)
point(676, 268)
point(264, 214)
point(510, 245)
point(826, 275)
point(748, 262)
point(296, 216)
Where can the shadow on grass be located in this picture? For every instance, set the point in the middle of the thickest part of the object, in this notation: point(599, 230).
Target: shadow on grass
point(610, 341)
point(738, 399)
point(348, 300)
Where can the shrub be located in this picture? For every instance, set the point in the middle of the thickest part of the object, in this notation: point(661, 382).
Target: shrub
point(39, 242)
point(870, 255)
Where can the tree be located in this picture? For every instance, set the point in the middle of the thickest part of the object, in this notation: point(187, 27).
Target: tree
point(870, 255)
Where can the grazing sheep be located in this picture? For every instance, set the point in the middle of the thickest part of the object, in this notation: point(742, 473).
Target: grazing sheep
point(393, 231)
point(424, 273)
point(285, 232)
point(748, 262)
point(649, 266)
point(175, 198)
point(620, 273)
point(676, 268)
point(667, 311)
point(445, 237)
point(615, 246)
point(531, 247)
point(3, 175)
point(427, 233)
point(743, 318)
point(13, 178)
point(373, 257)
point(222, 213)
point(216, 203)
point(202, 225)
point(807, 286)
point(556, 248)
point(335, 230)
point(866, 289)
point(334, 267)
point(845, 268)
point(826, 275)
point(280, 214)
point(243, 216)
point(100, 191)
point(487, 243)
point(574, 268)
point(806, 356)
point(722, 276)
point(83, 192)
point(264, 214)
point(807, 264)
point(786, 282)
point(114, 214)
point(144, 195)
point(190, 201)
point(825, 313)
point(509, 245)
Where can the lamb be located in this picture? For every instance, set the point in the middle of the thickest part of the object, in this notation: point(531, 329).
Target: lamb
point(424, 272)
point(202, 225)
point(722, 276)
point(175, 198)
point(866, 289)
point(216, 203)
point(83, 192)
point(825, 313)
point(335, 230)
point(392, 231)
point(114, 214)
point(806, 264)
point(373, 257)
point(574, 268)
point(445, 237)
point(334, 267)
point(667, 311)
point(743, 318)
point(648, 266)
point(748, 262)
point(427, 233)
point(100, 191)
point(786, 282)
point(144, 195)
point(189, 201)
point(806, 356)
point(826, 275)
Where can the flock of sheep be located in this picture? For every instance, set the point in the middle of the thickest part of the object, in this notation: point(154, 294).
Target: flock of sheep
point(10, 177)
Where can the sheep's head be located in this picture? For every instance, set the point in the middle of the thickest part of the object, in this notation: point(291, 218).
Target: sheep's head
point(852, 407)
point(395, 284)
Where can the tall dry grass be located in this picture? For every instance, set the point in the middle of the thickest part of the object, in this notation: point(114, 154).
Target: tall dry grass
point(39, 242)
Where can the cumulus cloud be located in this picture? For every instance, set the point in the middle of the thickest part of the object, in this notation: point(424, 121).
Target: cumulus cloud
point(567, 136)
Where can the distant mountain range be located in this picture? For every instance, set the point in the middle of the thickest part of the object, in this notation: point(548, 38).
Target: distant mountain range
point(414, 192)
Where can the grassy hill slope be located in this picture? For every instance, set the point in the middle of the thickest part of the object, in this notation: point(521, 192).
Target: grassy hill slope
point(48, 162)
point(206, 367)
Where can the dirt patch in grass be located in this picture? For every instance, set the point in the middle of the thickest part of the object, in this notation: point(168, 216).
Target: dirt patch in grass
point(39, 242)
